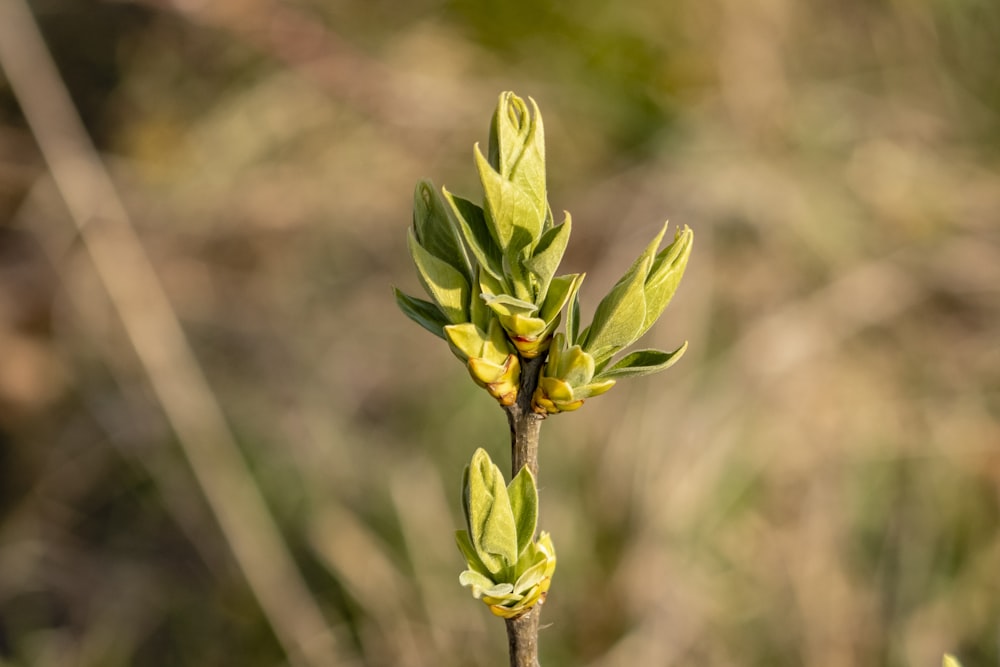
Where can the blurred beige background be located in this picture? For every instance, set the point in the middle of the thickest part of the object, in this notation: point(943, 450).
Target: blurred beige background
point(276, 480)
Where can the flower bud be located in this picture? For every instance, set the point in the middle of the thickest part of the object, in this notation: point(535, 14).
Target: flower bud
point(489, 357)
point(567, 379)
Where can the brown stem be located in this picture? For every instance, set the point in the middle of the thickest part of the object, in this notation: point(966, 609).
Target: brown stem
point(525, 425)
point(522, 638)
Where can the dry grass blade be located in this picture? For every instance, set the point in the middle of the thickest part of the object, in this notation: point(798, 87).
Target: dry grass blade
point(153, 328)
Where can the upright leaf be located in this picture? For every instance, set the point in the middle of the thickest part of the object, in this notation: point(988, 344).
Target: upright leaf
point(436, 231)
point(508, 127)
point(573, 312)
point(491, 520)
point(665, 276)
point(524, 504)
point(514, 218)
point(476, 232)
point(548, 255)
point(446, 285)
point(517, 148)
point(619, 317)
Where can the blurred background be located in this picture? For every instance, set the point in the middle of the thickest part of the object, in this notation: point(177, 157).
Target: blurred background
point(276, 480)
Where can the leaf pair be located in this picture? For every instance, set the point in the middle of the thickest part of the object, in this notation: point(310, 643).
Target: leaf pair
point(496, 261)
point(578, 364)
point(522, 247)
point(508, 569)
point(638, 299)
point(450, 276)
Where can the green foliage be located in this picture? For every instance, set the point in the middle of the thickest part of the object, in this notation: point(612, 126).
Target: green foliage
point(855, 479)
point(508, 569)
point(576, 368)
point(490, 271)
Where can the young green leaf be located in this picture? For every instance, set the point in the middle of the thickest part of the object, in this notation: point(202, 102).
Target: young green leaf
point(466, 338)
point(515, 219)
point(508, 306)
point(619, 317)
point(483, 586)
point(509, 126)
point(469, 552)
point(573, 312)
point(436, 231)
point(524, 504)
point(476, 232)
point(426, 314)
point(444, 283)
point(531, 577)
point(665, 276)
point(636, 300)
point(548, 254)
point(517, 147)
point(479, 313)
point(642, 362)
point(491, 521)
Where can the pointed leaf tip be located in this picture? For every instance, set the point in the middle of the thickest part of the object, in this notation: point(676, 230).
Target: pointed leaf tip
point(643, 362)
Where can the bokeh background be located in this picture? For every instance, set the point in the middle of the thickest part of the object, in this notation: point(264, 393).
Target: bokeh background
point(816, 483)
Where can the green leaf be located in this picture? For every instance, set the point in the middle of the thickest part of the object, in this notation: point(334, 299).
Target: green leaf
point(497, 340)
point(490, 285)
point(514, 218)
point(444, 283)
point(517, 147)
point(950, 661)
point(491, 520)
point(642, 362)
point(644, 261)
point(619, 317)
point(573, 312)
point(508, 306)
point(467, 338)
point(469, 552)
point(556, 350)
point(547, 256)
point(426, 314)
point(436, 231)
point(594, 388)
point(476, 232)
point(576, 367)
point(665, 275)
point(479, 313)
point(622, 315)
point(508, 126)
point(524, 503)
point(528, 172)
point(560, 290)
point(523, 283)
point(482, 585)
point(549, 220)
point(531, 577)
